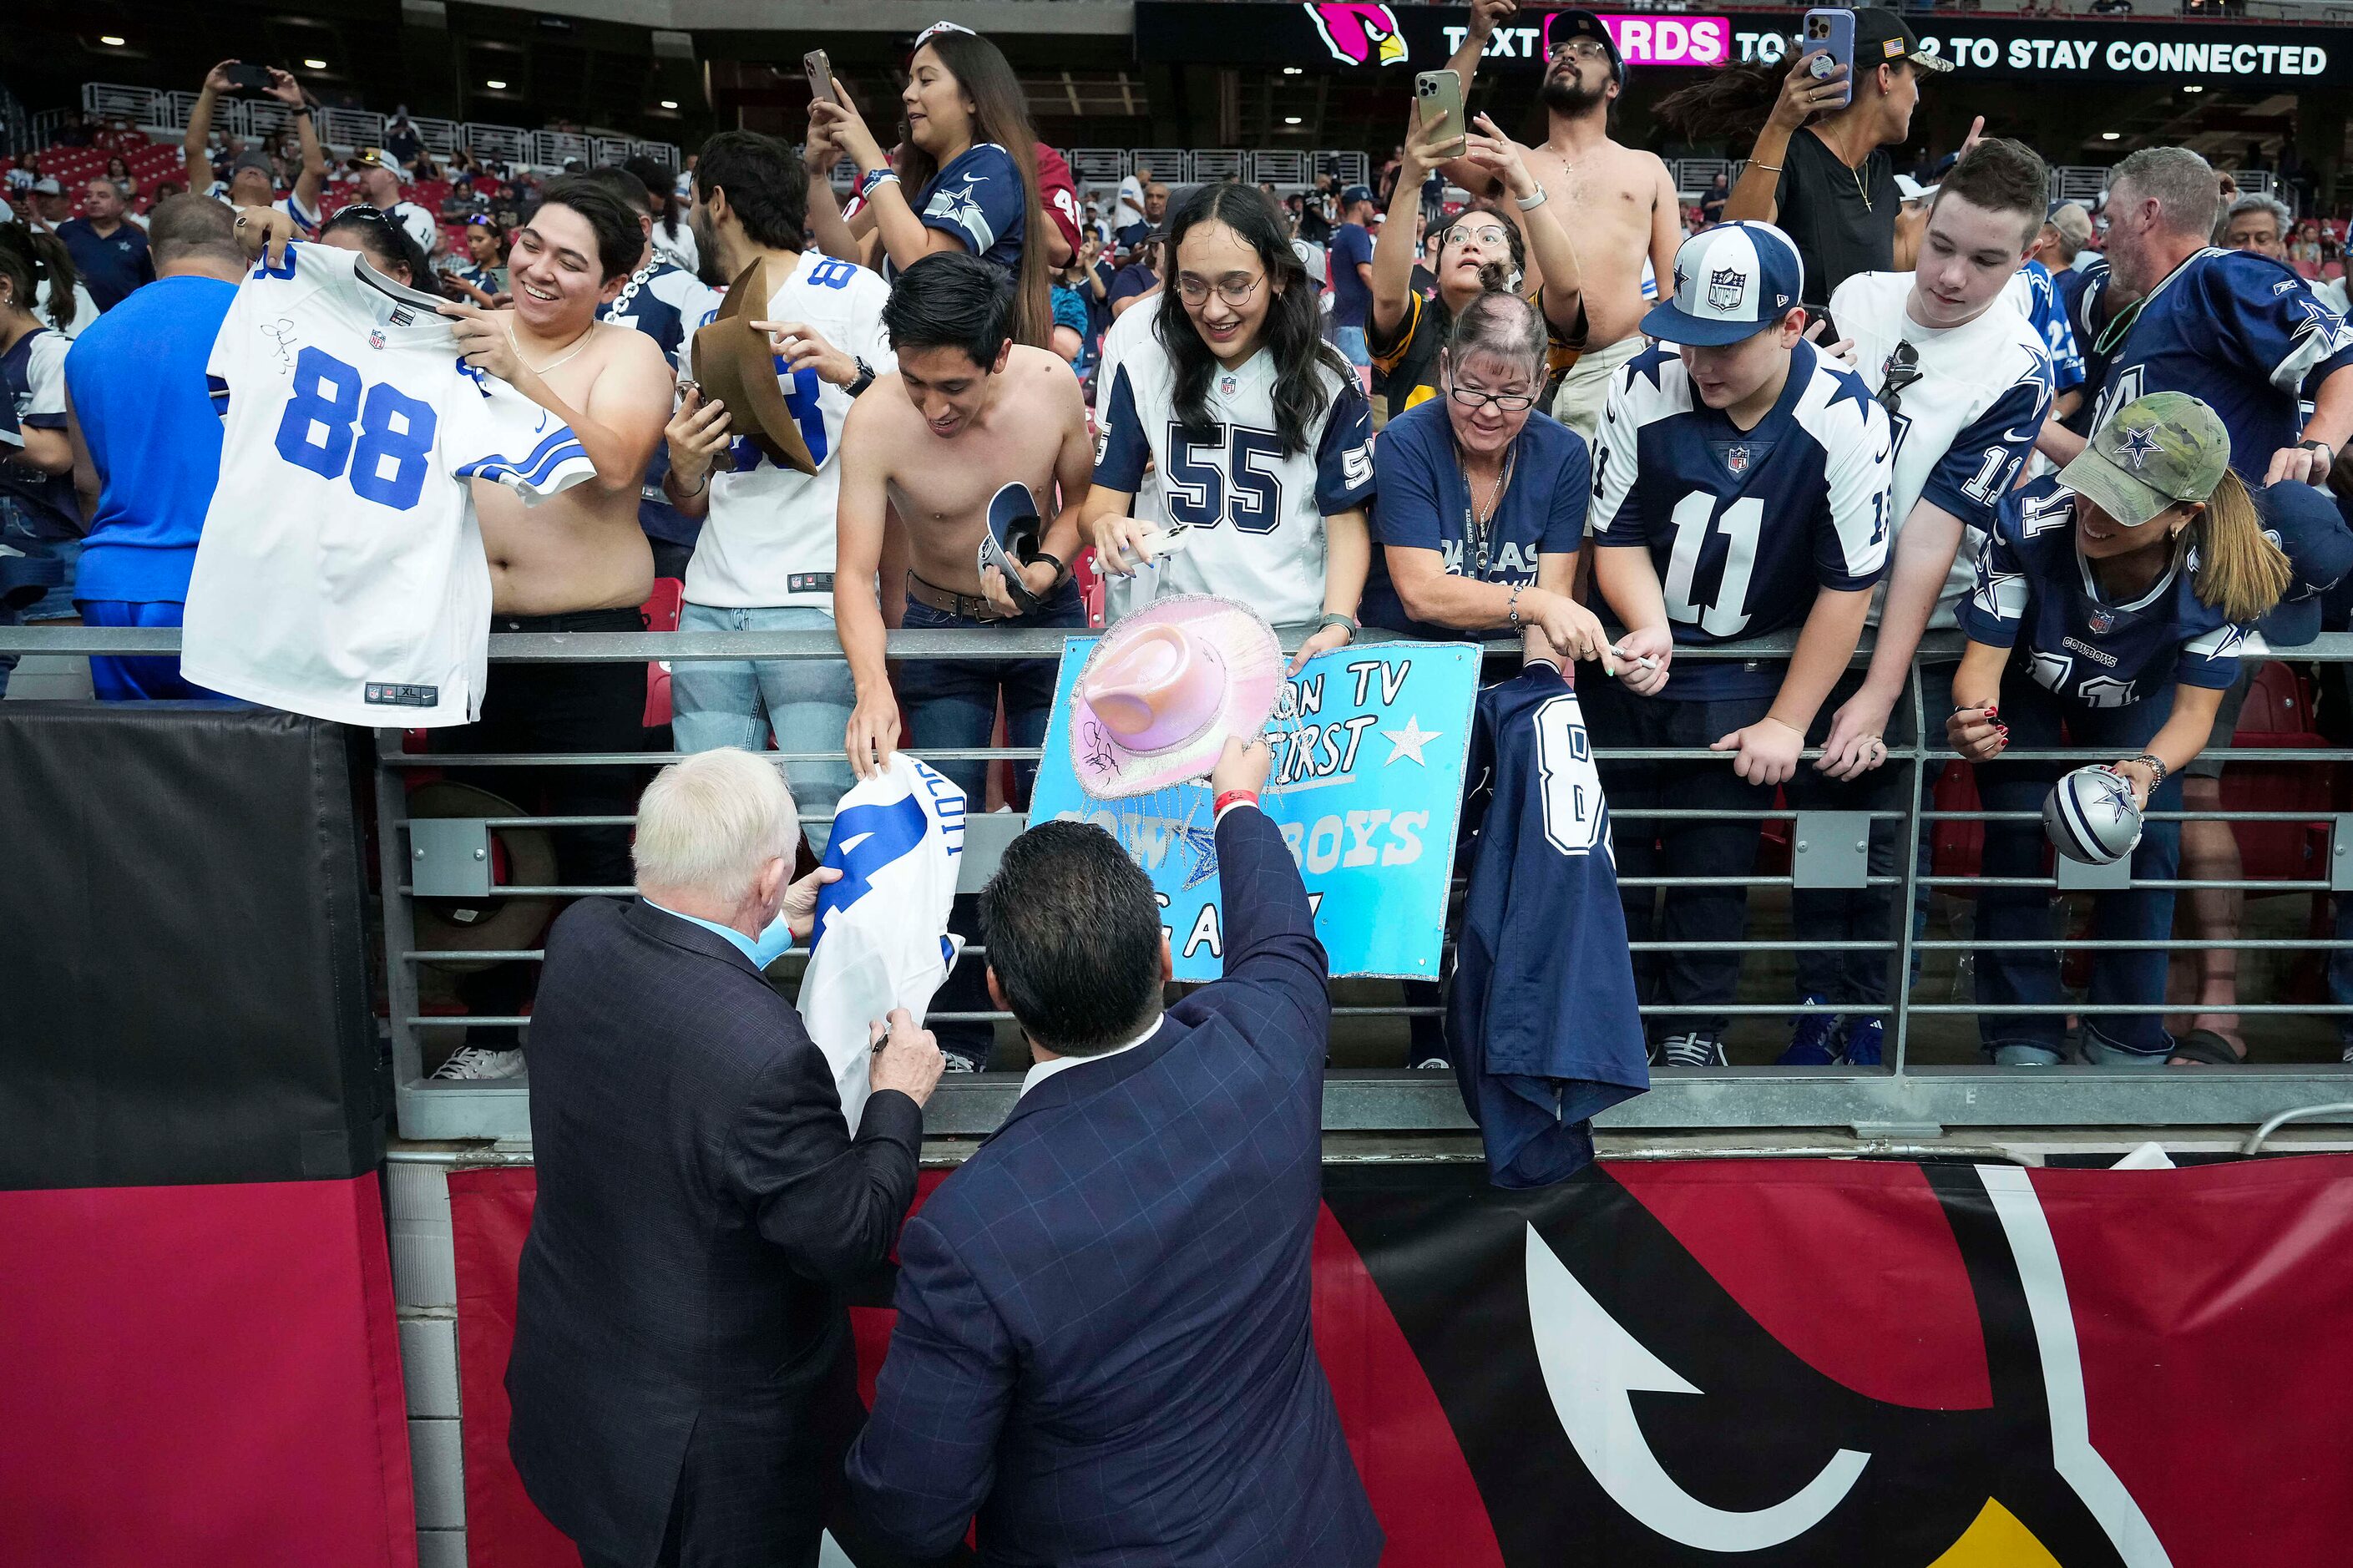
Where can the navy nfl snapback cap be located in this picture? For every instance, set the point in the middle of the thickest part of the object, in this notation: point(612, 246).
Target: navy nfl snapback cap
point(1732, 282)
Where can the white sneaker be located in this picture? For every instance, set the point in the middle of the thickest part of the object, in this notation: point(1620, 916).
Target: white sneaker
point(1433, 1064)
point(1693, 1050)
point(959, 1064)
point(474, 1063)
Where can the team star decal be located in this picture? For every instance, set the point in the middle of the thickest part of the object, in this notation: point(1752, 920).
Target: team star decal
point(1204, 844)
point(1409, 740)
point(963, 208)
point(1850, 386)
point(2137, 447)
point(1649, 362)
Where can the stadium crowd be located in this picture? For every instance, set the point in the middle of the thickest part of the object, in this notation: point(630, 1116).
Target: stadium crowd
point(1824, 398)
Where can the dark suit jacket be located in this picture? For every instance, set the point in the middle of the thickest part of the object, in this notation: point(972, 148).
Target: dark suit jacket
point(1103, 1342)
point(679, 1322)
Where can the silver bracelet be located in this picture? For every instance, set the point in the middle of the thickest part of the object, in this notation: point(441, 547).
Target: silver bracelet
point(1512, 606)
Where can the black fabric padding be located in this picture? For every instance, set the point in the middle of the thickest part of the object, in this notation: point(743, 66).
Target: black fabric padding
point(184, 993)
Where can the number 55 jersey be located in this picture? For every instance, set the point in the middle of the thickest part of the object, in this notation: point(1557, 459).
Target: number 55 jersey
point(340, 572)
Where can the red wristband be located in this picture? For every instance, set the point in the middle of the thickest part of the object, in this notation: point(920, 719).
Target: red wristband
point(1233, 797)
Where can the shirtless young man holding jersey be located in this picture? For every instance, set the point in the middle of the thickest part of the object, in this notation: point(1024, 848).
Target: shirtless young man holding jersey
point(1617, 204)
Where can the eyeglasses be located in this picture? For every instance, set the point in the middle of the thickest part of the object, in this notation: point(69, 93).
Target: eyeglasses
point(1234, 291)
point(1474, 399)
point(362, 212)
point(1902, 371)
point(1582, 50)
point(1489, 235)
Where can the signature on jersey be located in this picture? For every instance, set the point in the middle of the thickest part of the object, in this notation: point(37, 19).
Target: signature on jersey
point(281, 332)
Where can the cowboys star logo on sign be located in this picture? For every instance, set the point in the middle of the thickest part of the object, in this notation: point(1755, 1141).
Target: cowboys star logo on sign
point(1725, 288)
point(2137, 448)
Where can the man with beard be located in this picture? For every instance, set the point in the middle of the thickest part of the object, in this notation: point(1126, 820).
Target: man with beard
point(1618, 201)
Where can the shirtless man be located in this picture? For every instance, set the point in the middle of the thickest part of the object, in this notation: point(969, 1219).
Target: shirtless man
point(967, 412)
point(1617, 205)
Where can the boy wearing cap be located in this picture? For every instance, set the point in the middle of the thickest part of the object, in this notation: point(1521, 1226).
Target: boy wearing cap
point(2112, 606)
point(1617, 203)
point(1742, 492)
point(252, 179)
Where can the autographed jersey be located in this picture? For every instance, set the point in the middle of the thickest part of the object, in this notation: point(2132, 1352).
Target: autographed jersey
point(1254, 512)
point(1542, 1025)
point(2036, 595)
point(340, 573)
point(769, 537)
point(882, 937)
point(1743, 526)
point(1971, 400)
point(2242, 333)
point(666, 304)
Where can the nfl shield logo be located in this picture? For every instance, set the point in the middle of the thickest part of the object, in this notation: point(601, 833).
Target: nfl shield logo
point(1226, 384)
point(375, 339)
point(1736, 459)
point(1725, 288)
point(2102, 622)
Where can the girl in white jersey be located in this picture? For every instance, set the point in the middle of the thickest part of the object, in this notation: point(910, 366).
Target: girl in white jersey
point(1257, 431)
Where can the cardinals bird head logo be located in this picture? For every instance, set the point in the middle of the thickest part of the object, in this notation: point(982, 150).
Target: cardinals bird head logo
point(1360, 34)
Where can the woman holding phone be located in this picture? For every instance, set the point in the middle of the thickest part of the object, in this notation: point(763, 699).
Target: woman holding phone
point(967, 177)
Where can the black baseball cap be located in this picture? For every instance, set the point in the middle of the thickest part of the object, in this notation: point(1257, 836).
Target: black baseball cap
point(1885, 37)
point(1563, 26)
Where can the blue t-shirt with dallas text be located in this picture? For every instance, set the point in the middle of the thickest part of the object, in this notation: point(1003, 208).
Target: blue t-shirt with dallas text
point(1352, 299)
point(978, 198)
point(1421, 501)
point(2244, 334)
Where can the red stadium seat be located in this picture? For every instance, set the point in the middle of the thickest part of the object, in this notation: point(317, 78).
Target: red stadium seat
point(2279, 716)
point(661, 612)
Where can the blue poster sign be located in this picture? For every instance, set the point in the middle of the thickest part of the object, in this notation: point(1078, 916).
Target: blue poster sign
point(1366, 786)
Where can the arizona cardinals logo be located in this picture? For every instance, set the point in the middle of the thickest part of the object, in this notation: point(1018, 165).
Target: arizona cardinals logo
point(1360, 34)
point(1616, 1403)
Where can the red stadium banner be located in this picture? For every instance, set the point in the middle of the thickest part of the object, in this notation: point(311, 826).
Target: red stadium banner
point(1774, 1363)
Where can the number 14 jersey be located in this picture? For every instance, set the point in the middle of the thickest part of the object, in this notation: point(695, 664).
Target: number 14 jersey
point(340, 572)
point(1743, 526)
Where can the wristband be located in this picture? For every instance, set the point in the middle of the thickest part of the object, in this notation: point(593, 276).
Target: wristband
point(1530, 204)
point(877, 178)
point(2323, 448)
point(1062, 568)
point(1233, 797)
point(2155, 765)
point(1335, 618)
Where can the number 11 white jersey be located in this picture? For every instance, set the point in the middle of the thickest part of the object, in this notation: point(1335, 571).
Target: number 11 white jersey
point(340, 572)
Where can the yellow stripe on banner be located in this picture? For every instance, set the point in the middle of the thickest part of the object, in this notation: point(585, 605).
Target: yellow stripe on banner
point(1996, 1539)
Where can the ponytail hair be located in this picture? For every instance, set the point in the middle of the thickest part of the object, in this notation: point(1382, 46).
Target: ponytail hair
point(2240, 572)
point(30, 257)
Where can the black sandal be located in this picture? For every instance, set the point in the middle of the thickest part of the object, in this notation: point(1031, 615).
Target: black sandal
point(2205, 1047)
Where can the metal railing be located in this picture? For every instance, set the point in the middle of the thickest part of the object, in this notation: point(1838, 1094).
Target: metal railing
point(1931, 1079)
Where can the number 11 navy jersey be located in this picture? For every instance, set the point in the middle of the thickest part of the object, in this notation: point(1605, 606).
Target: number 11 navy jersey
point(341, 570)
point(1744, 527)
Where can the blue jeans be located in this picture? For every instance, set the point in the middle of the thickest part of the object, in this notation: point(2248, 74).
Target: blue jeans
point(952, 704)
point(2030, 977)
point(1350, 342)
point(805, 702)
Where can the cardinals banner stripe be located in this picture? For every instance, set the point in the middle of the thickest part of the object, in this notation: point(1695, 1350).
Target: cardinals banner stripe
point(1774, 1363)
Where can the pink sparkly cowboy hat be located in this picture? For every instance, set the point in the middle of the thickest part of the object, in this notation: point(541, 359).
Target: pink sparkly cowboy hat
point(1163, 689)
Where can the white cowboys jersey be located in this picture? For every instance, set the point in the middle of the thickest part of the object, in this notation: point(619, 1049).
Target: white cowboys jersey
point(769, 540)
point(341, 570)
point(1255, 512)
point(1964, 425)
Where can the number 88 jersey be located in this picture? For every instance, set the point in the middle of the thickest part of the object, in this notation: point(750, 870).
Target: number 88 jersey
point(1743, 526)
point(340, 572)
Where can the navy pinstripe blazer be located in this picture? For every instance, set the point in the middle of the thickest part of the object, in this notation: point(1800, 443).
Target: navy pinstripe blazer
point(679, 1322)
point(1103, 1345)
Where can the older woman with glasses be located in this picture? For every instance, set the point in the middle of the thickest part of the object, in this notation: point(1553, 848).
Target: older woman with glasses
point(1481, 500)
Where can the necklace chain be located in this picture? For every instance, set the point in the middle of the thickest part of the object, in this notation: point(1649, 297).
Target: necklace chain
point(578, 344)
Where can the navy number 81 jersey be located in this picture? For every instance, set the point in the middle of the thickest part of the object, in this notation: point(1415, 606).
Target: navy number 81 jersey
point(1744, 527)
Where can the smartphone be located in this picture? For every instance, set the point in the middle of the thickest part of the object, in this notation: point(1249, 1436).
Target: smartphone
point(241, 75)
point(1829, 43)
point(1439, 91)
point(820, 76)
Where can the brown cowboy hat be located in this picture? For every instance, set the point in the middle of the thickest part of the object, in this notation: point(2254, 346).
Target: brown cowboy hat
point(737, 366)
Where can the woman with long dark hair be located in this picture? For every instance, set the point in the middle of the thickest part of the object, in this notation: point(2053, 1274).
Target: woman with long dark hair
point(40, 520)
point(673, 237)
point(1261, 438)
point(967, 153)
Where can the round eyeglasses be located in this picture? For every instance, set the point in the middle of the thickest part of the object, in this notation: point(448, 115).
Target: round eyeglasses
point(1234, 291)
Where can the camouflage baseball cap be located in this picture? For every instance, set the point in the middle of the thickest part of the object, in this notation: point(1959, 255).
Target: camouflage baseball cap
point(2151, 454)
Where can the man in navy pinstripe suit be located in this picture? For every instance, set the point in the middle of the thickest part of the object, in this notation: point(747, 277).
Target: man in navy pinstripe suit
point(1102, 1347)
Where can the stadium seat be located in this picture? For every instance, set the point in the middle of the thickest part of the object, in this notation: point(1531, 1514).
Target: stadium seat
point(2279, 716)
point(661, 613)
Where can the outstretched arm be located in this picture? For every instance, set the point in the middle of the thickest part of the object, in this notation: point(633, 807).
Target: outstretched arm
point(198, 162)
